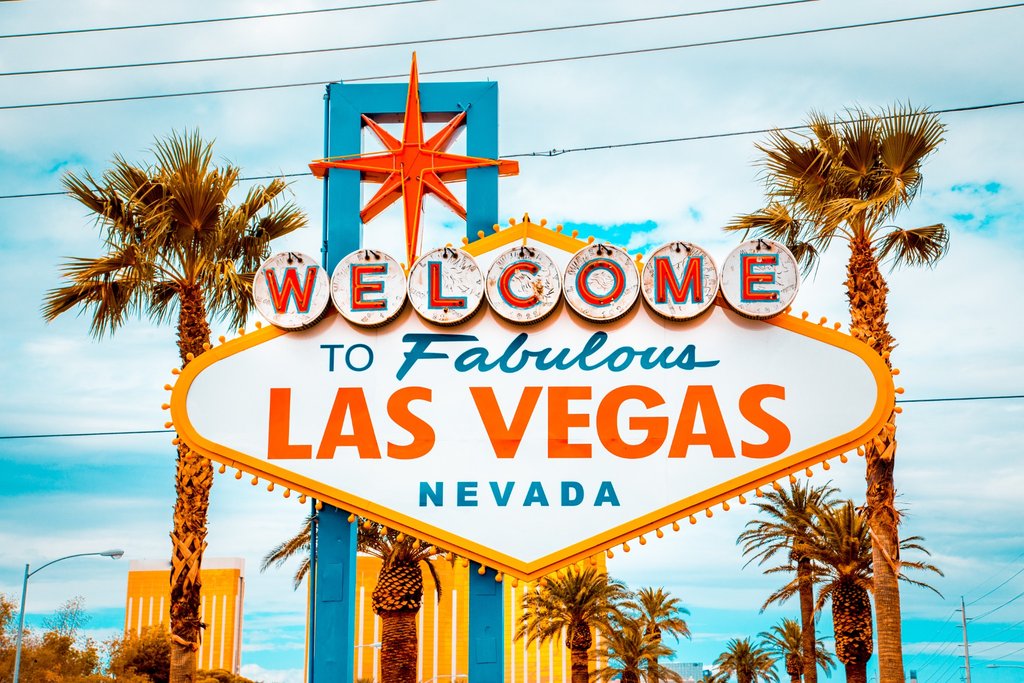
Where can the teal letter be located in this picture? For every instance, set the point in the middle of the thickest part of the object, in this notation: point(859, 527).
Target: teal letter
point(572, 493)
point(606, 494)
point(535, 494)
point(466, 494)
point(501, 497)
point(436, 495)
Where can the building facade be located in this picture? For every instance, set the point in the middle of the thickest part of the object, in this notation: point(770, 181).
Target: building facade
point(223, 589)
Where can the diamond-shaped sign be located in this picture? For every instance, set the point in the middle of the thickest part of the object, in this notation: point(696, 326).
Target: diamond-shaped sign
point(528, 447)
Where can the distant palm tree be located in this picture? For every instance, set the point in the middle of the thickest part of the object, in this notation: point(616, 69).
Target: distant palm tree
point(840, 544)
point(176, 248)
point(785, 640)
point(396, 598)
point(631, 653)
point(748, 662)
point(660, 614)
point(848, 179)
point(574, 600)
point(781, 533)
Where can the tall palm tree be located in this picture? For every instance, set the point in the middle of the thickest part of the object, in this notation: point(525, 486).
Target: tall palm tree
point(848, 179)
point(660, 614)
point(785, 640)
point(397, 597)
point(840, 544)
point(631, 652)
point(574, 600)
point(747, 661)
point(176, 247)
point(781, 534)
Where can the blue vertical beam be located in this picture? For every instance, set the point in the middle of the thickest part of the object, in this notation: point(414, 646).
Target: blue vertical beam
point(333, 639)
point(482, 141)
point(486, 628)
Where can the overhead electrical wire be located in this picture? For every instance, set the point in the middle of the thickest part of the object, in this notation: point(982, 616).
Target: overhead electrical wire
point(11, 437)
point(403, 43)
point(1018, 596)
point(621, 145)
point(214, 20)
point(1015, 575)
point(530, 62)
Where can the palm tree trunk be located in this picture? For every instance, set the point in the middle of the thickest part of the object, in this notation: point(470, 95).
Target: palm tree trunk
point(631, 677)
point(857, 672)
point(192, 481)
point(578, 671)
point(399, 645)
point(805, 583)
point(867, 291)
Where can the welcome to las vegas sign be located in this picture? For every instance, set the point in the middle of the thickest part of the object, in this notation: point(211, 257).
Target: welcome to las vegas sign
point(529, 442)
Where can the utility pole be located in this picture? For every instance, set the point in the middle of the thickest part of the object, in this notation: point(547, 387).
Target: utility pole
point(967, 654)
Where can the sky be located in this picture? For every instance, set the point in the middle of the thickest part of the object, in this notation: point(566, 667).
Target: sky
point(958, 325)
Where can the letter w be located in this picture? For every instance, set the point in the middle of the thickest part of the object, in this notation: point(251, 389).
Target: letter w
point(282, 293)
point(505, 439)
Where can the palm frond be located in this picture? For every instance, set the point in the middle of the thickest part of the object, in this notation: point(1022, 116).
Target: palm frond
point(924, 246)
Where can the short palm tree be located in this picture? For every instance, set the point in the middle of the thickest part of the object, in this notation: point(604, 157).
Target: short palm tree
point(848, 179)
point(781, 533)
point(176, 248)
point(574, 601)
point(660, 614)
point(396, 598)
point(747, 661)
point(840, 544)
point(631, 652)
point(785, 640)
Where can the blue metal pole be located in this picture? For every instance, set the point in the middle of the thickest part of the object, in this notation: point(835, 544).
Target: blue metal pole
point(311, 617)
point(486, 628)
point(334, 639)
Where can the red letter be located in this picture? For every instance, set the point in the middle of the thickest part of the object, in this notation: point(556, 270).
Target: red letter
point(504, 440)
point(775, 429)
point(596, 298)
point(716, 435)
point(506, 291)
point(560, 420)
point(691, 287)
point(422, 433)
point(360, 288)
point(349, 400)
point(282, 293)
point(434, 296)
point(278, 447)
point(749, 277)
point(608, 422)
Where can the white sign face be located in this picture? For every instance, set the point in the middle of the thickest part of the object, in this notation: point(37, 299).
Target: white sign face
point(760, 278)
point(446, 286)
point(601, 282)
point(526, 448)
point(523, 285)
point(291, 290)
point(679, 281)
point(368, 288)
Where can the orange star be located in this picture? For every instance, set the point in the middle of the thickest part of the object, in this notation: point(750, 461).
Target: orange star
point(412, 167)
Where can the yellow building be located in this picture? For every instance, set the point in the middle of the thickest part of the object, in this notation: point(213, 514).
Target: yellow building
point(223, 588)
point(444, 634)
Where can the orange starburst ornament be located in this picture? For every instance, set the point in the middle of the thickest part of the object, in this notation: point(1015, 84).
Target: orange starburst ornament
point(413, 167)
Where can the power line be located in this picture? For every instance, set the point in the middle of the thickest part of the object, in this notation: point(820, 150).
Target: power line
point(620, 145)
point(403, 43)
point(11, 437)
point(192, 22)
point(1020, 649)
point(503, 65)
point(1015, 575)
point(999, 607)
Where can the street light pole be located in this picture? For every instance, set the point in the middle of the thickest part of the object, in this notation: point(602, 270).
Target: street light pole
point(112, 554)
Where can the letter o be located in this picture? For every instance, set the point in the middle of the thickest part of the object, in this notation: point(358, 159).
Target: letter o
point(348, 357)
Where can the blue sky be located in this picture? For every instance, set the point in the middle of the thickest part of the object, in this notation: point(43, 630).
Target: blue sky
point(958, 325)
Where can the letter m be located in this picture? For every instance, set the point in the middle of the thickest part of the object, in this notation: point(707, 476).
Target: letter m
point(282, 293)
point(690, 286)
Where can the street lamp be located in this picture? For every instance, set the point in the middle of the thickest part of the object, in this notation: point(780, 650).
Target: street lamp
point(1004, 666)
point(114, 554)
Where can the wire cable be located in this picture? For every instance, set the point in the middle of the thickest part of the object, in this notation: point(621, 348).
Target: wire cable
point(403, 43)
point(1020, 649)
point(504, 65)
point(169, 431)
point(1015, 575)
point(1018, 596)
point(193, 22)
point(559, 152)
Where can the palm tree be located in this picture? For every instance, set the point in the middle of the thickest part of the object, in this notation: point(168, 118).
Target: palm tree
point(176, 247)
point(785, 640)
point(660, 614)
point(632, 651)
point(848, 179)
point(397, 597)
point(840, 543)
point(574, 600)
point(748, 662)
point(783, 531)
